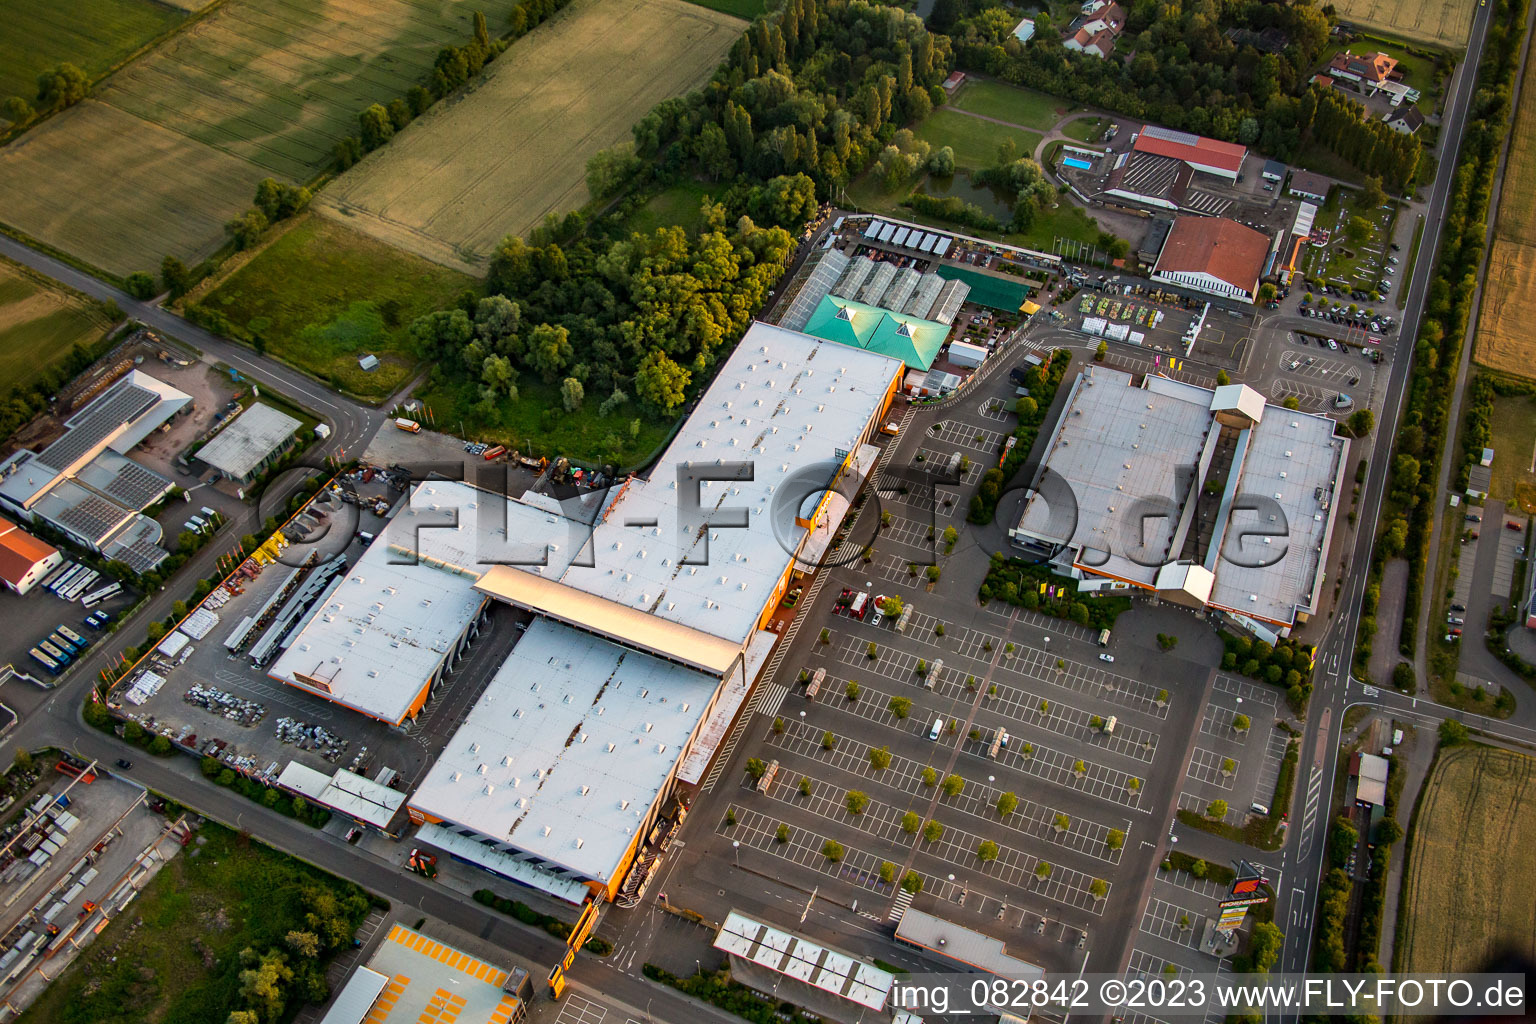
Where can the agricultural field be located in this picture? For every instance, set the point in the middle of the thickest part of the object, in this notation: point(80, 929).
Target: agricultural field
point(1471, 886)
point(174, 956)
point(171, 147)
point(39, 324)
point(1504, 339)
point(461, 178)
point(747, 9)
point(321, 296)
point(1442, 22)
point(93, 35)
point(1023, 107)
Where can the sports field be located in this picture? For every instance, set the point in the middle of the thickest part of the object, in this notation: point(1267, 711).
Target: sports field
point(93, 35)
point(494, 163)
point(1504, 338)
point(170, 147)
point(974, 140)
point(1471, 885)
point(1444, 22)
point(1013, 104)
point(39, 324)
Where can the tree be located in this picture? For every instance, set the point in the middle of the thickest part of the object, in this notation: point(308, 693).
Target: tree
point(933, 831)
point(805, 786)
point(756, 768)
point(304, 944)
point(1199, 869)
point(986, 851)
point(1222, 380)
point(932, 572)
point(140, 285)
point(17, 110)
point(242, 1017)
point(1114, 839)
point(856, 801)
point(1099, 888)
point(610, 170)
point(891, 607)
point(872, 652)
point(376, 127)
point(953, 785)
point(1264, 946)
point(1045, 707)
point(262, 985)
point(1372, 195)
point(1228, 766)
point(278, 200)
point(174, 276)
point(1291, 402)
point(161, 747)
point(62, 86)
point(828, 740)
point(571, 394)
point(880, 758)
point(245, 230)
point(930, 777)
point(911, 822)
point(549, 350)
point(832, 850)
point(1007, 803)
point(23, 760)
point(1453, 733)
point(1133, 784)
point(1267, 292)
point(1079, 767)
point(660, 382)
point(887, 872)
point(941, 164)
point(1098, 355)
point(1361, 422)
point(1217, 810)
point(1061, 823)
point(781, 834)
point(852, 690)
point(1042, 871)
point(901, 707)
point(1242, 723)
point(912, 882)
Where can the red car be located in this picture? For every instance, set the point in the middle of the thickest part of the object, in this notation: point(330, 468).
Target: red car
point(1514, 526)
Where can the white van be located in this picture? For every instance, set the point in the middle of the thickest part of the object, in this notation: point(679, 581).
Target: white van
point(938, 727)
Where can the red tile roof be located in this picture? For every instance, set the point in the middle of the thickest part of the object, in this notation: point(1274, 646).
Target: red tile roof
point(1193, 149)
point(1216, 246)
point(19, 552)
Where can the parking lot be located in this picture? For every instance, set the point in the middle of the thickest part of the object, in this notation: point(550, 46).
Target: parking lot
point(1041, 837)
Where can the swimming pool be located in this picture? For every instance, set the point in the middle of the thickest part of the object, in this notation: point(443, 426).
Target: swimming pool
point(1078, 162)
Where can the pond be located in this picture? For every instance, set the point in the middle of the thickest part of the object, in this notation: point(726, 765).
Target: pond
point(993, 202)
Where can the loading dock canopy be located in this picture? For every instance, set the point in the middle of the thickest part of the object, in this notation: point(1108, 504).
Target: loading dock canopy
point(620, 623)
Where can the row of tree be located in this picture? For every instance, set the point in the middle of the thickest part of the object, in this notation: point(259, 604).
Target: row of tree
point(59, 87)
point(1408, 514)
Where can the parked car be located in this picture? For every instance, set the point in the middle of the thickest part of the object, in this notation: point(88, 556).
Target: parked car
point(1473, 517)
point(1513, 526)
point(1106, 657)
point(1458, 607)
point(124, 765)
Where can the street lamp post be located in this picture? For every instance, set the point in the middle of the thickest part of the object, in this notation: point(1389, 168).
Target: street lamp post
point(736, 851)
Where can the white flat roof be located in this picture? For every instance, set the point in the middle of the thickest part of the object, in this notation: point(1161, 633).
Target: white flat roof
point(248, 439)
point(348, 792)
point(1115, 444)
point(376, 642)
point(963, 945)
point(817, 965)
point(1294, 460)
point(783, 401)
point(567, 749)
point(357, 997)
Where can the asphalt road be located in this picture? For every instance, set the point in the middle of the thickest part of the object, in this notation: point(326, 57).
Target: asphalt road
point(1302, 855)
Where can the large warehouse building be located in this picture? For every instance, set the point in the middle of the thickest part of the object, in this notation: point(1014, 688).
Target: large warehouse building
point(1246, 533)
point(1213, 255)
point(643, 649)
point(1209, 156)
point(85, 486)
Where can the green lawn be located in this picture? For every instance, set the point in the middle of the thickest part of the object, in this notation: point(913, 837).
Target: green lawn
point(748, 9)
point(974, 141)
point(1011, 103)
point(1513, 428)
point(39, 324)
point(1085, 129)
point(679, 205)
point(538, 424)
point(91, 34)
point(173, 956)
point(1341, 260)
point(322, 295)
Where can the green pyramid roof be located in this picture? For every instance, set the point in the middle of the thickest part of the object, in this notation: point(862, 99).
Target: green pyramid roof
point(911, 339)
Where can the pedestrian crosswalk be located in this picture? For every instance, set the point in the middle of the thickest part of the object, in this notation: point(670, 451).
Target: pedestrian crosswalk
point(899, 908)
point(773, 698)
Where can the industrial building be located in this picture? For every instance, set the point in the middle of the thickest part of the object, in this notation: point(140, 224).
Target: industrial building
point(1208, 156)
point(84, 486)
point(414, 979)
point(914, 341)
point(649, 632)
point(1214, 255)
point(249, 443)
point(967, 948)
point(1246, 532)
point(879, 284)
point(24, 560)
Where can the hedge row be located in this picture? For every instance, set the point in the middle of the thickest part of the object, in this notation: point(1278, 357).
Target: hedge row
point(1042, 383)
point(1018, 581)
point(1286, 664)
point(719, 990)
point(549, 922)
